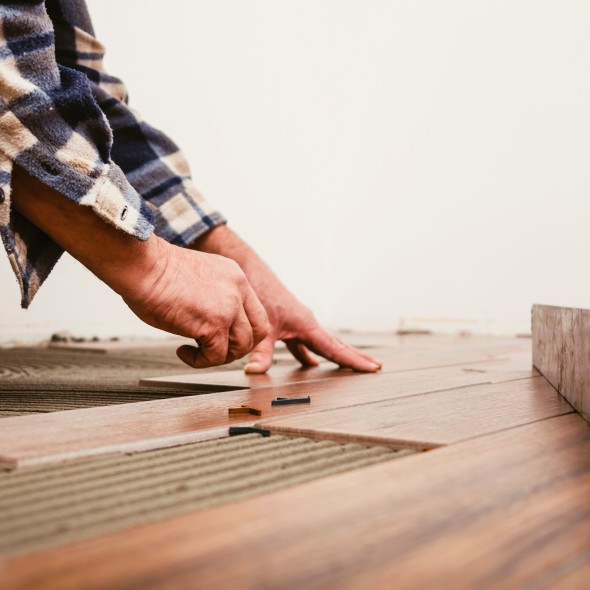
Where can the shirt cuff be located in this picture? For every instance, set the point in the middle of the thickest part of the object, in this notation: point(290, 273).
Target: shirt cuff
point(33, 254)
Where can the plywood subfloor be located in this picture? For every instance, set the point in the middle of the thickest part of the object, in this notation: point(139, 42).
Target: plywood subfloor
point(504, 509)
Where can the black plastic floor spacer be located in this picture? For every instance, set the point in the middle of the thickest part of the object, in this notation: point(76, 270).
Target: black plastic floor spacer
point(237, 430)
point(284, 401)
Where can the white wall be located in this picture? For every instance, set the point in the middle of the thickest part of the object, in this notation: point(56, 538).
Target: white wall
point(424, 162)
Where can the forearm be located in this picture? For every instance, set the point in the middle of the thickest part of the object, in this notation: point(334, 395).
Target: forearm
point(223, 241)
point(120, 260)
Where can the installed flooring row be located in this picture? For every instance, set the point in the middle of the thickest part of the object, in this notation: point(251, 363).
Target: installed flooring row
point(409, 370)
point(499, 500)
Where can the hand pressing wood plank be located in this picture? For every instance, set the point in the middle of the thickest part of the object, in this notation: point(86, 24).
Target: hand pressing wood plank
point(62, 436)
point(561, 352)
point(501, 511)
point(432, 419)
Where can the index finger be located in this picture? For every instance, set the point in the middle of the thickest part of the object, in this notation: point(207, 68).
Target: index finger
point(323, 343)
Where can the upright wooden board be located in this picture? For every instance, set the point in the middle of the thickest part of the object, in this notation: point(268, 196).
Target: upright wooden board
point(432, 419)
point(503, 511)
point(561, 352)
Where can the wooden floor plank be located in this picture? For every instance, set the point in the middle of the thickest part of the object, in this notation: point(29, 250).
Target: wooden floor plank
point(433, 419)
point(61, 436)
point(229, 380)
point(508, 356)
point(499, 512)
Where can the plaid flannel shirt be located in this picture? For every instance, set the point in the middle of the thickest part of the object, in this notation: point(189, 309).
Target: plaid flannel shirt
point(67, 123)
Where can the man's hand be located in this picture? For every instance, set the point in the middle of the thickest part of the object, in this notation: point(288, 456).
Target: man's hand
point(290, 321)
point(297, 327)
point(200, 296)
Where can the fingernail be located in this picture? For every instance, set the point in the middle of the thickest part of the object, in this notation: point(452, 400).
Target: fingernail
point(375, 366)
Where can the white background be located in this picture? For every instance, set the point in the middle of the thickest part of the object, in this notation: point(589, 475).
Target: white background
point(398, 163)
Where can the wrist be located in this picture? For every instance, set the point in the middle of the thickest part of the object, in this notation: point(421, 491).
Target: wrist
point(218, 240)
point(136, 274)
point(124, 263)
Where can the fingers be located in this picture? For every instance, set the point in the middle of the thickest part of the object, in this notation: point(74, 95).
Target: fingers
point(326, 345)
point(300, 352)
point(219, 343)
point(188, 354)
point(257, 317)
point(260, 359)
point(210, 352)
point(220, 348)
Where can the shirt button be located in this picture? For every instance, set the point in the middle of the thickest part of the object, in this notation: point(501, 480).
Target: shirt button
point(2, 196)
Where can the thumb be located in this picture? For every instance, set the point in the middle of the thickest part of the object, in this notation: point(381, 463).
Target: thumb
point(260, 359)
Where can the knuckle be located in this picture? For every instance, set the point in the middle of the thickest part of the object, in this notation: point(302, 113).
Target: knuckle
point(235, 270)
point(216, 356)
point(338, 344)
point(223, 317)
point(263, 331)
point(245, 345)
point(309, 315)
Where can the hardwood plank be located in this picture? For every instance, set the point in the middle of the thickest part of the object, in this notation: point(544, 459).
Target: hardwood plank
point(561, 352)
point(500, 511)
point(506, 358)
point(278, 376)
point(521, 361)
point(124, 345)
point(432, 419)
point(61, 436)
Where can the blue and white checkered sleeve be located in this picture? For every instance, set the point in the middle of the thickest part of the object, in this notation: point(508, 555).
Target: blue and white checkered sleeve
point(154, 165)
point(52, 126)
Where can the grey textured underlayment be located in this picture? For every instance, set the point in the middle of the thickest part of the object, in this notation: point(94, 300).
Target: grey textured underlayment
point(36, 379)
point(48, 506)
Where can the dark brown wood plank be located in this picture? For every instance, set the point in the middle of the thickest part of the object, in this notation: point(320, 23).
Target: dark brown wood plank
point(500, 511)
point(561, 352)
point(433, 419)
point(62, 436)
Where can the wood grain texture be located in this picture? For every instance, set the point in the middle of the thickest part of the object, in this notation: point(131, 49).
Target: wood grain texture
point(561, 352)
point(278, 376)
point(513, 355)
point(433, 419)
point(499, 512)
point(62, 436)
point(116, 346)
